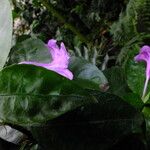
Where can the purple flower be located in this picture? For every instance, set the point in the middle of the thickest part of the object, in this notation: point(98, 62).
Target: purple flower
point(60, 60)
point(144, 55)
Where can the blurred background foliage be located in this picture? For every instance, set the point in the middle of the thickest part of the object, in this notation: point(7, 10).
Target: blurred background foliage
point(101, 31)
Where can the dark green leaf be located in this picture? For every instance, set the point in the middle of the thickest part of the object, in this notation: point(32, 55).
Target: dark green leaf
point(91, 127)
point(118, 86)
point(5, 31)
point(32, 95)
point(134, 99)
point(146, 112)
point(117, 81)
point(136, 76)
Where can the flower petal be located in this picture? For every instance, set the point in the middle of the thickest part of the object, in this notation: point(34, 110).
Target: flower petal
point(145, 48)
point(52, 44)
point(60, 60)
point(144, 55)
point(44, 65)
point(60, 56)
point(53, 48)
point(64, 72)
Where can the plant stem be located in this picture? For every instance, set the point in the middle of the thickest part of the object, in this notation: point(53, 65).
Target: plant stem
point(62, 18)
point(145, 87)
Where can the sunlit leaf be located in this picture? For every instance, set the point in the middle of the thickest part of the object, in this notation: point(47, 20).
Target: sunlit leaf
point(5, 31)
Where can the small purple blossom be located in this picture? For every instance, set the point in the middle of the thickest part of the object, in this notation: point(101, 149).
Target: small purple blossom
point(144, 55)
point(60, 60)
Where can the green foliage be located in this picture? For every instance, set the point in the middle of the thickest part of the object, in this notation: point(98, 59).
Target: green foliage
point(86, 71)
point(54, 109)
point(35, 50)
point(52, 94)
point(101, 124)
point(29, 50)
point(125, 29)
point(126, 33)
point(143, 20)
point(94, 111)
point(136, 76)
point(107, 8)
point(5, 31)
point(134, 100)
point(118, 86)
point(117, 81)
point(84, 22)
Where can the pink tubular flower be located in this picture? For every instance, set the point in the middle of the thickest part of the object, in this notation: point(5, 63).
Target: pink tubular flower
point(144, 55)
point(60, 59)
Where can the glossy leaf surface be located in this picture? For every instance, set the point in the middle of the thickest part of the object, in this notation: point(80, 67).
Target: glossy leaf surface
point(82, 69)
point(136, 76)
point(29, 50)
point(32, 95)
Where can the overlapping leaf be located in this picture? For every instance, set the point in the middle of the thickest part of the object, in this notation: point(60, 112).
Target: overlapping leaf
point(32, 95)
point(82, 69)
point(118, 85)
point(29, 50)
point(136, 76)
